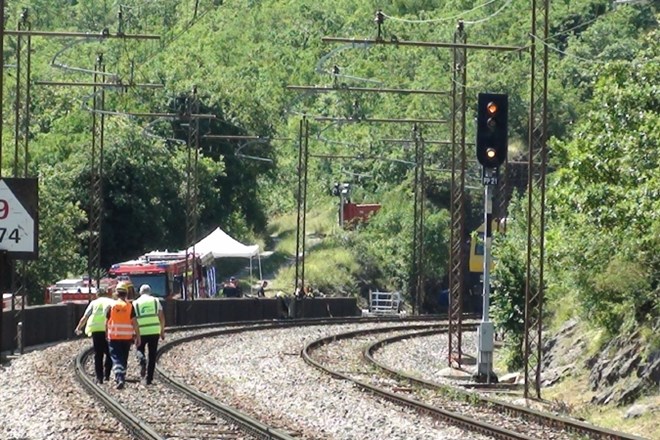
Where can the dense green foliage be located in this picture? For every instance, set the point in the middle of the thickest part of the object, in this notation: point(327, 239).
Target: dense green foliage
point(602, 233)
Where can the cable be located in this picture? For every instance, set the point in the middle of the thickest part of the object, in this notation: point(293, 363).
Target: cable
point(494, 14)
point(577, 26)
point(335, 72)
point(437, 20)
point(566, 53)
point(65, 67)
point(237, 153)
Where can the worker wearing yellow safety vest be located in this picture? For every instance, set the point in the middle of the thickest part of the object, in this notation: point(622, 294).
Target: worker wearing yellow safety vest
point(121, 330)
point(151, 320)
point(93, 320)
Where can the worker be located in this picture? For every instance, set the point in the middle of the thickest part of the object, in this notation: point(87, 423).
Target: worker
point(261, 292)
point(151, 321)
point(93, 320)
point(121, 329)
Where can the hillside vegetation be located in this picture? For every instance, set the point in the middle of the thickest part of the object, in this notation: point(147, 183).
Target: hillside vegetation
point(603, 201)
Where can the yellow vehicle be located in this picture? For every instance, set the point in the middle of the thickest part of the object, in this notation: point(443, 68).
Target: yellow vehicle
point(476, 261)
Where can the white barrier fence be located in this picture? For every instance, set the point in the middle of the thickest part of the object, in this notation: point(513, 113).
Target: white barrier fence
point(384, 303)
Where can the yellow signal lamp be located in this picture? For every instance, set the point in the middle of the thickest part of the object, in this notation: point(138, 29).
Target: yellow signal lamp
point(491, 153)
point(492, 108)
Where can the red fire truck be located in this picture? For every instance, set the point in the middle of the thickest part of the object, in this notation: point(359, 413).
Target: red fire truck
point(163, 271)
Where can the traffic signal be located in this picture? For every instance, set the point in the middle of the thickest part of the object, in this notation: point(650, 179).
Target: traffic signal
point(492, 131)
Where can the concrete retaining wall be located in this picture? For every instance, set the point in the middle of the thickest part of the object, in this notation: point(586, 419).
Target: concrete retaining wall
point(52, 323)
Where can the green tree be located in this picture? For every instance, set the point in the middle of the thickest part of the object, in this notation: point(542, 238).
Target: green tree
point(604, 200)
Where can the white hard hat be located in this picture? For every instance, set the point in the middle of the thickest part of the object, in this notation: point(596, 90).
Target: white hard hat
point(145, 288)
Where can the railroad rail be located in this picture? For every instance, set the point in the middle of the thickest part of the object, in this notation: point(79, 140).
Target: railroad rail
point(134, 424)
point(524, 419)
point(550, 420)
point(145, 426)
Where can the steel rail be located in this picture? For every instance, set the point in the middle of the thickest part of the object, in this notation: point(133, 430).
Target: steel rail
point(451, 417)
point(247, 423)
point(144, 431)
point(233, 415)
point(556, 422)
point(134, 425)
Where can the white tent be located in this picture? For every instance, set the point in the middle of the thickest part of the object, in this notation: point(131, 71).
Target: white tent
point(218, 244)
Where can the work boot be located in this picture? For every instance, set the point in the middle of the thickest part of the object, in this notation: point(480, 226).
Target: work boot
point(120, 381)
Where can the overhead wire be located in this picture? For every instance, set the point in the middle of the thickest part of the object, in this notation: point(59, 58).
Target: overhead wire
point(491, 16)
point(539, 39)
point(438, 20)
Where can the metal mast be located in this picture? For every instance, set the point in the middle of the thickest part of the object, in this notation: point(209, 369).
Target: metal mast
point(419, 191)
point(538, 132)
point(458, 166)
point(192, 193)
point(96, 176)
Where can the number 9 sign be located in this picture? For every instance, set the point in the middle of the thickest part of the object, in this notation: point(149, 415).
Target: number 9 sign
point(4, 209)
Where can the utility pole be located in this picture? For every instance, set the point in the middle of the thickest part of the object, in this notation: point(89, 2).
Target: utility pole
point(458, 170)
point(21, 136)
point(192, 192)
point(301, 202)
point(537, 164)
point(419, 191)
point(96, 178)
point(5, 269)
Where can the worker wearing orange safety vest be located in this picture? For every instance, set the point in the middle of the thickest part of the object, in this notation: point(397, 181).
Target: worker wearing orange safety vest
point(121, 329)
point(151, 321)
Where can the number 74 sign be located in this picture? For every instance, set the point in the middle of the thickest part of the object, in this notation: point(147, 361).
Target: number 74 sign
point(18, 218)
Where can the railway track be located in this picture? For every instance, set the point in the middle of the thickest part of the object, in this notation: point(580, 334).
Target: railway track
point(170, 409)
point(450, 403)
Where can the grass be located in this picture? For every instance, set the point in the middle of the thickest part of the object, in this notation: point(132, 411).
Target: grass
point(329, 266)
point(572, 396)
point(574, 393)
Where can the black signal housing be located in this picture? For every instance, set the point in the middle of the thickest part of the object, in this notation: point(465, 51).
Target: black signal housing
point(492, 129)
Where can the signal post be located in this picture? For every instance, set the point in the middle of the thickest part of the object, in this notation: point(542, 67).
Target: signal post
point(492, 143)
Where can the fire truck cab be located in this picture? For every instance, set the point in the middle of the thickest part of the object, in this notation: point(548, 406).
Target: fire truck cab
point(162, 271)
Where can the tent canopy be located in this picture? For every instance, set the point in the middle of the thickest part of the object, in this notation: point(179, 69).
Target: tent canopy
point(218, 244)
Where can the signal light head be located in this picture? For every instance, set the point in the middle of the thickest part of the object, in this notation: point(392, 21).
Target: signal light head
point(492, 132)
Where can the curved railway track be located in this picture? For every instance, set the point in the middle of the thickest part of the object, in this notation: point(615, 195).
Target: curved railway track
point(175, 410)
point(468, 410)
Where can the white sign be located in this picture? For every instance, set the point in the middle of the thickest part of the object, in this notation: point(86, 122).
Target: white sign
point(16, 224)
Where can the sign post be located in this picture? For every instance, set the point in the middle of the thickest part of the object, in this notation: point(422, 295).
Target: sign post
point(18, 233)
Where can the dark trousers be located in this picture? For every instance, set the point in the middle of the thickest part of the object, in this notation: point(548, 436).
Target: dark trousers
point(101, 349)
point(150, 341)
point(119, 353)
